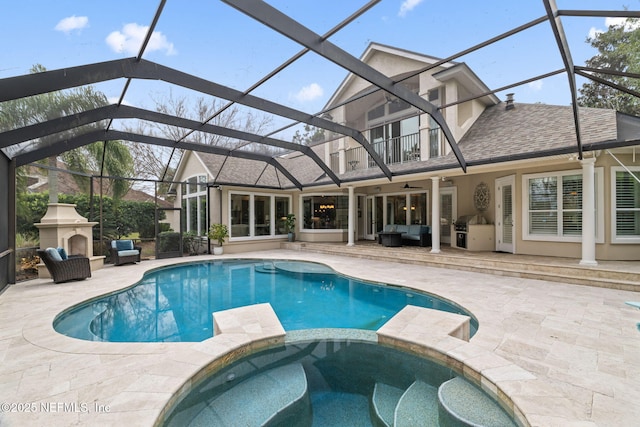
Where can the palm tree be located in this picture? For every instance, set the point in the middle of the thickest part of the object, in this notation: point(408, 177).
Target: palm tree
point(115, 161)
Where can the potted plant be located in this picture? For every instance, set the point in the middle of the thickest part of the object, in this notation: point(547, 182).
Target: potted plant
point(290, 226)
point(218, 232)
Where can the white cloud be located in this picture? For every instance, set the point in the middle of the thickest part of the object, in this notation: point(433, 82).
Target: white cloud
point(609, 22)
point(129, 40)
point(408, 6)
point(614, 21)
point(309, 93)
point(71, 23)
point(594, 32)
point(536, 86)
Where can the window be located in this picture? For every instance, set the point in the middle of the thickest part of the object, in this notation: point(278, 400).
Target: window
point(262, 215)
point(397, 141)
point(194, 204)
point(553, 208)
point(407, 208)
point(418, 208)
point(326, 212)
point(255, 215)
point(436, 148)
point(282, 209)
point(240, 213)
point(625, 205)
point(435, 139)
point(394, 131)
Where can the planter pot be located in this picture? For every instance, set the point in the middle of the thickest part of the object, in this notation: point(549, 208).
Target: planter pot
point(218, 250)
point(291, 236)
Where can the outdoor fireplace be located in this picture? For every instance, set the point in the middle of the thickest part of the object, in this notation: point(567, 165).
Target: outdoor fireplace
point(63, 227)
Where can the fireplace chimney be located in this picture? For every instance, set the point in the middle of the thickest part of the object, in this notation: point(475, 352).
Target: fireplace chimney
point(510, 105)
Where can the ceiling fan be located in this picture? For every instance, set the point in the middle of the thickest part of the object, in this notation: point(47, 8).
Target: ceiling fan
point(407, 186)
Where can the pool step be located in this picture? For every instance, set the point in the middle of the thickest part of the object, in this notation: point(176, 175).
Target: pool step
point(383, 404)
point(456, 403)
point(418, 406)
point(283, 399)
point(461, 404)
point(268, 268)
point(393, 406)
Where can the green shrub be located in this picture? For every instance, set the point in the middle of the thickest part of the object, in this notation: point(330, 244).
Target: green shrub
point(118, 219)
point(169, 241)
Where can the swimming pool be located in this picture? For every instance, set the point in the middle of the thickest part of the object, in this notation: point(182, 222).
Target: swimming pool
point(176, 303)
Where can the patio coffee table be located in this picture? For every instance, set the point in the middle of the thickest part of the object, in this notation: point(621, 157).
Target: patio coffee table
point(391, 238)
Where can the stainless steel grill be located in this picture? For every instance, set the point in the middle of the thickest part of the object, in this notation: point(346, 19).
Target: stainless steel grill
point(462, 227)
point(463, 223)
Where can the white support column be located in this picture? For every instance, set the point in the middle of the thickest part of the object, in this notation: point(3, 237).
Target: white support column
point(352, 216)
point(435, 215)
point(588, 213)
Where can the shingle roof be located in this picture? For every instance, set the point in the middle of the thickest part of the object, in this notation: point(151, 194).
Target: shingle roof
point(531, 128)
point(528, 130)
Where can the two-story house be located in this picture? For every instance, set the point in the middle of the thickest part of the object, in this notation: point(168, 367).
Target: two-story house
point(524, 190)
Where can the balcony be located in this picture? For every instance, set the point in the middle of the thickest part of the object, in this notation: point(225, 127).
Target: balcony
point(402, 149)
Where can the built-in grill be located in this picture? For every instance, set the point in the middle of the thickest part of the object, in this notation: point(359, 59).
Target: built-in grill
point(462, 227)
point(463, 223)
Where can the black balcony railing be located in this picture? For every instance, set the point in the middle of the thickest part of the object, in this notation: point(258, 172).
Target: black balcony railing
point(395, 150)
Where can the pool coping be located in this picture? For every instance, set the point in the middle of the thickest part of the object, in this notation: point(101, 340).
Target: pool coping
point(445, 342)
point(137, 380)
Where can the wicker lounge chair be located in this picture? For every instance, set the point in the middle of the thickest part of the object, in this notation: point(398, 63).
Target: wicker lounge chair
point(124, 252)
point(64, 270)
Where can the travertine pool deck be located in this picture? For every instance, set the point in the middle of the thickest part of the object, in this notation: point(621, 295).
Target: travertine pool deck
point(572, 352)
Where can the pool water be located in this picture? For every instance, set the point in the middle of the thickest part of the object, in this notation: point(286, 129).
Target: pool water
point(176, 303)
point(328, 382)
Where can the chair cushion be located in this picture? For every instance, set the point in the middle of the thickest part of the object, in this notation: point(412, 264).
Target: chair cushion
point(128, 252)
point(124, 245)
point(402, 228)
point(63, 253)
point(415, 229)
point(53, 254)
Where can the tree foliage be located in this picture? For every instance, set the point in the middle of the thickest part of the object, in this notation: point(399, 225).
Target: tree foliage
point(310, 135)
point(618, 50)
point(152, 160)
point(119, 219)
point(27, 111)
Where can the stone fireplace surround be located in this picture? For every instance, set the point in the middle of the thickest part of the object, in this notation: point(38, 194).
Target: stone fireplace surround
point(62, 226)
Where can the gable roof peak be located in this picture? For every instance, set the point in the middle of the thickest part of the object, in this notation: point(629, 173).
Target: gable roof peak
point(391, 50)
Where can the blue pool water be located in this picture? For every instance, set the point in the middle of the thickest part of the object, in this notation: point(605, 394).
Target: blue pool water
point(176, 303)
point(328, 383)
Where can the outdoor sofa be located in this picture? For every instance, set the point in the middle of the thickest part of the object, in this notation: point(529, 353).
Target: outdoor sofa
point(414, 234)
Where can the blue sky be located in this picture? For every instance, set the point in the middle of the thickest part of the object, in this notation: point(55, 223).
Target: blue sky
point(212, 40)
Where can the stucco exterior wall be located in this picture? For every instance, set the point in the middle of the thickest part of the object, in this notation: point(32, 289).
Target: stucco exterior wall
point(605, 250)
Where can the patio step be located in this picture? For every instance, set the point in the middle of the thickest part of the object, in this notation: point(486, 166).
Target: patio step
point(499, 264)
